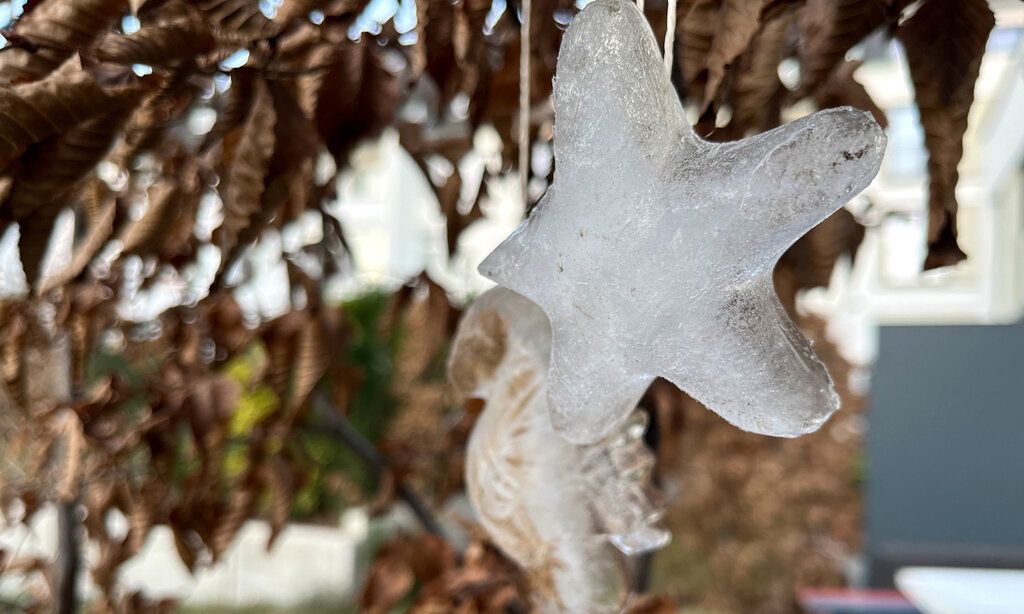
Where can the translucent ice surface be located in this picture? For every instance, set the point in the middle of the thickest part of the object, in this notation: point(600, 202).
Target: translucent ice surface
point(556, 508)
point(652, 252)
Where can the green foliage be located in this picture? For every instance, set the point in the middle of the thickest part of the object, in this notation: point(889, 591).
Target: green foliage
point(370, 353)
point(102, 363)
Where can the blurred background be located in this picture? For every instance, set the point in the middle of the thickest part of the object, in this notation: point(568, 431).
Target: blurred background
point(257, 417)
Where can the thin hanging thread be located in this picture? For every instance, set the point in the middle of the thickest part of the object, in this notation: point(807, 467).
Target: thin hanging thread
point(524, 101)
point(640, 5)
point(670, 34)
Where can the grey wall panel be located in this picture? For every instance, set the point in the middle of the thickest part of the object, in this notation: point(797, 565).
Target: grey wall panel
point(945, 448)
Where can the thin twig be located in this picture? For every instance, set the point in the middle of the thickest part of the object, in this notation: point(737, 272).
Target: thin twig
point(68, 558)
point(337, 425)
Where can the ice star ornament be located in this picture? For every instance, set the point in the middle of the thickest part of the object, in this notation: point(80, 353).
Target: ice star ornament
point(652, 252)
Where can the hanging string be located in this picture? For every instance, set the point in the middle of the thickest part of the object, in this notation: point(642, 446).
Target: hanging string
point(670, 35)
point(640, 5)
point(524, 100)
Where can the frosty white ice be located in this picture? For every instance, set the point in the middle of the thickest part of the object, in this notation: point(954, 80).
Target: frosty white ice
point(652, 252)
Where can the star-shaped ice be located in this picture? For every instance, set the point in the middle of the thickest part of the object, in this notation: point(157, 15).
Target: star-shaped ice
point(652, 252)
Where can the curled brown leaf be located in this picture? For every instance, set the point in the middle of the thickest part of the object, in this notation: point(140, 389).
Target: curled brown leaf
point(829, 28)
point(245, 160)
point(945, 41)
point(738, 22)
point(57, 29)
point(32, 112)
point(160, 44)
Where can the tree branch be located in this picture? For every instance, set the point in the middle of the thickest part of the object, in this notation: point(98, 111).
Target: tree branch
point(337, 425)
point(68, 558)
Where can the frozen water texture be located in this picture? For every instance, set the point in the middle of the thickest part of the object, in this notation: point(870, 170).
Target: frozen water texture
point(652, 252)
point(556, 508)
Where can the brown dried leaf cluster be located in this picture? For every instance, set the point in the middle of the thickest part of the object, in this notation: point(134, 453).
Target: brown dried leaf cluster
point(480, 580)
point(71, 95)
point(424, 571)
point(155, 440)
point(729, 54)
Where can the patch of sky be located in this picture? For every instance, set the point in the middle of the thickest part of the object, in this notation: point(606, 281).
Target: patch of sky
point(497, 10)
point(563, 17)
point(12, 277)
point(269, 7)
point(370, 20)
point(130, 24)
point(9, 11)
point(235, 60)
point(405, 16)
point(221, 82)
